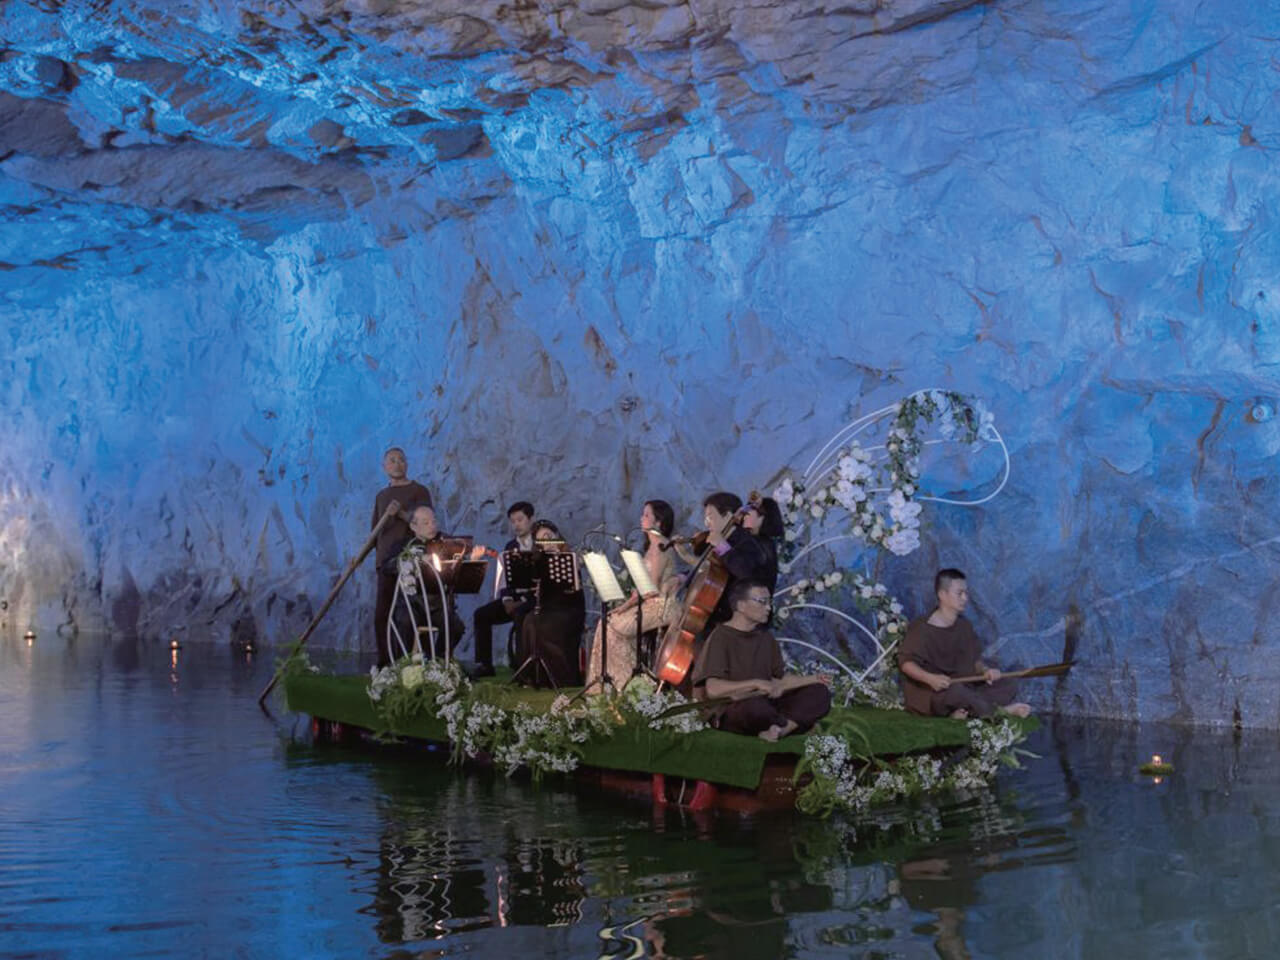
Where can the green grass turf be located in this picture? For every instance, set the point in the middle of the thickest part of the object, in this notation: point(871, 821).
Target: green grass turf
point(724, 758)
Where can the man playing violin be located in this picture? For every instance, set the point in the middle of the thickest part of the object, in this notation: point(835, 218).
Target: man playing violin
point(741, 660)
point(411, 555)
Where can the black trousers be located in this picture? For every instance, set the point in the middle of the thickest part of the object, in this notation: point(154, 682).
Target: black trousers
point(805, 705)
point(489, 616)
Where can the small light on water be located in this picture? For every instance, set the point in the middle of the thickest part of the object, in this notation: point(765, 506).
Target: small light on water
point(174, 644)
point(1157, 780)
point(1155, 758)
point(30, 637)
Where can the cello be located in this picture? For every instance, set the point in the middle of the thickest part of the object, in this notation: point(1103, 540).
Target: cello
point(703, 588)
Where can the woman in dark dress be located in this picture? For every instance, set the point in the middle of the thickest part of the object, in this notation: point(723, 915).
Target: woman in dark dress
point(764, 519)
point(551, 636)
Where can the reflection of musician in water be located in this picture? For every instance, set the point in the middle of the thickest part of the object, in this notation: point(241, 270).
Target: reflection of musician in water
point(411, 557)
point(656, 610)
point(553, 630)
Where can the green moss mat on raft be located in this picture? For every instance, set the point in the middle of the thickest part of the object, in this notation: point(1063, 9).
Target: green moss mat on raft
point(711, 755)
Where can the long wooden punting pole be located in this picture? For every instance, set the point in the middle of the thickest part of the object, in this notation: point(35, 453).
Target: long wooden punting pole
point(1048, 670)
point(391, 511)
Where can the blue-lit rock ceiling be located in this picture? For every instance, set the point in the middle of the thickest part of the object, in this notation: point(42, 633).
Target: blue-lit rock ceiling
point(592, 253)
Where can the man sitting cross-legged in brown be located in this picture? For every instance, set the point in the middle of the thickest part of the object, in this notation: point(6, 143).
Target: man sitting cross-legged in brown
point(944, 645)
point(742, 660)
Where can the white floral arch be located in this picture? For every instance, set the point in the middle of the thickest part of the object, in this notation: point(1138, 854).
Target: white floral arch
point(876, 488)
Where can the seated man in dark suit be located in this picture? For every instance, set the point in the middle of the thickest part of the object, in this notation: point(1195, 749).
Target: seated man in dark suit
point(506, 606)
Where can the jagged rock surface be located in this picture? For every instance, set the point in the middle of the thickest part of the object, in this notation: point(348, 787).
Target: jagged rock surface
point(592, 253)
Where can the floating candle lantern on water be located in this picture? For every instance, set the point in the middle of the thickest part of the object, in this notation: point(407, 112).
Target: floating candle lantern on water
point(1156, 767)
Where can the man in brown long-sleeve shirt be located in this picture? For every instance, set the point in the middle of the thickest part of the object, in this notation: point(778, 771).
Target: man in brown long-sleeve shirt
point(944, 645)
point(407, 493)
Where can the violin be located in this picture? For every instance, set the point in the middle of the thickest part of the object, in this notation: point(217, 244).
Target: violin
point(699, 540)
point(449, 547)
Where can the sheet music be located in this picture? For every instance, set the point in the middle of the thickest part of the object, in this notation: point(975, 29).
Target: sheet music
point(639, 573)
point(603, 577)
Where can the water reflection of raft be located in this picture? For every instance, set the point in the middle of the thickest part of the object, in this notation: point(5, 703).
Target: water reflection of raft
point(697, 770)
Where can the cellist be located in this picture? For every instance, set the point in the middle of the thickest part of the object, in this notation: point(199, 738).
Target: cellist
point(742, 552)
point(728, 554)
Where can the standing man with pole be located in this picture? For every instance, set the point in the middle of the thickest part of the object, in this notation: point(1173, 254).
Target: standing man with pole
point(399, 489)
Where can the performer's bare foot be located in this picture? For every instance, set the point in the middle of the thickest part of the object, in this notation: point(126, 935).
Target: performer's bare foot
point(1017, 709)
point(776, 732)
point(959, 713)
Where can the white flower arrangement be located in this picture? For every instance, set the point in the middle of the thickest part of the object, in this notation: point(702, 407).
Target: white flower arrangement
point(842, 780)
point(875, 490)
point(871, 598)
point(876, 487)
point(520, 737)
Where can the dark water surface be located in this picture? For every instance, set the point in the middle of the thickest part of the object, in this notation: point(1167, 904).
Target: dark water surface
point(150, 809)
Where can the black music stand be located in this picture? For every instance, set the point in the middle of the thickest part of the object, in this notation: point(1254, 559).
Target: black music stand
point(609, 591)
point(553, 571)
point(521, 567)
point(464, 576)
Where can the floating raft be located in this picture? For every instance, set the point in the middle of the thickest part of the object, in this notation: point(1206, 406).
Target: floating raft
point(705, 769)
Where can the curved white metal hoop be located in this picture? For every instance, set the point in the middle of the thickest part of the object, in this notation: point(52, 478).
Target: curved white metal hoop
point(815, 546)
point(884, 649)
point(839, 613)
point(1008, 466)
point(394, 632)
point(816, 649)
point(1004, 449)
point(848, 430)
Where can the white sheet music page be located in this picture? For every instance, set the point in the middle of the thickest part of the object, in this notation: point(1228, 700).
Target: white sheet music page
point(602, 576)
point(639, 573)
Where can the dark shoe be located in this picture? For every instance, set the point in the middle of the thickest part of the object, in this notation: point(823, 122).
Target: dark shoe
point(481, 670)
